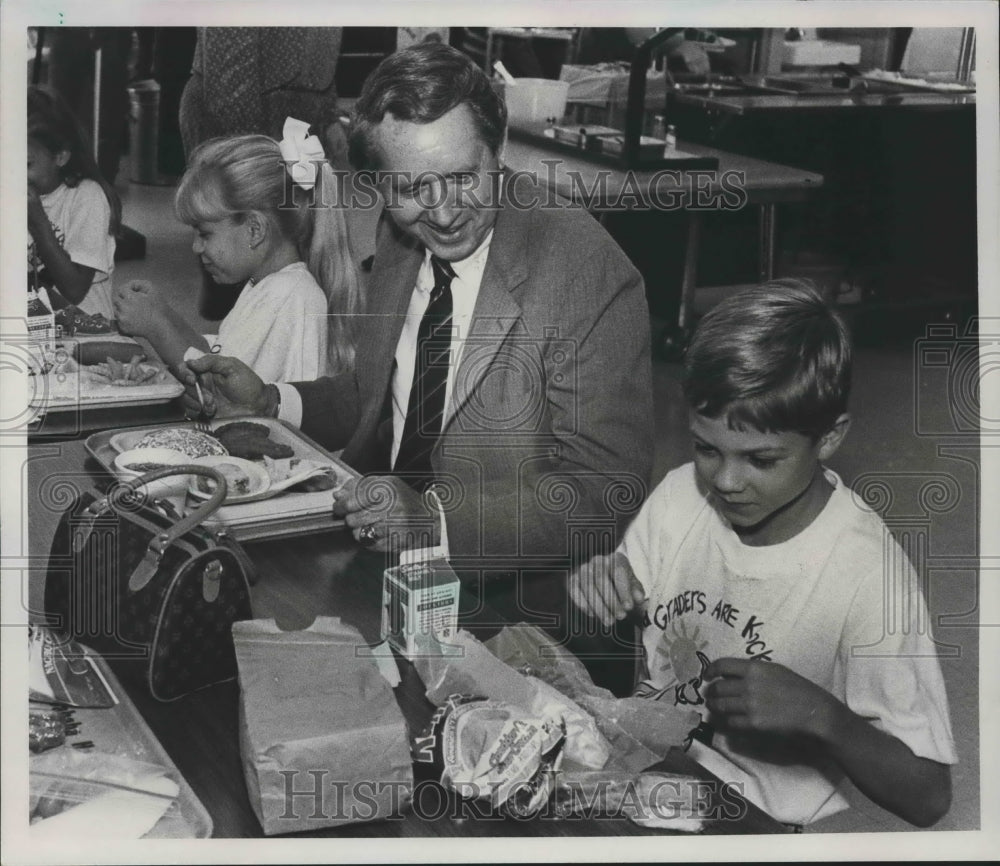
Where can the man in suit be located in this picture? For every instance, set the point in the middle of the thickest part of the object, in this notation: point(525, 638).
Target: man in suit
point(503, 358)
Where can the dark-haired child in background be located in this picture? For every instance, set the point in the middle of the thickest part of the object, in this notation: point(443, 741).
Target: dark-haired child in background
point(73, 212)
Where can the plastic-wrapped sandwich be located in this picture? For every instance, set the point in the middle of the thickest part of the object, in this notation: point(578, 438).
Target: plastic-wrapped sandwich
point(488, 749)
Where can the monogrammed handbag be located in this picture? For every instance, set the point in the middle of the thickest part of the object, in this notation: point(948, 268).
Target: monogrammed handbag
point(156, 594)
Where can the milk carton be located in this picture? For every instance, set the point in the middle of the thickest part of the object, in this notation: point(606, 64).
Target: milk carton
point(419, 605)
point(41, 319)
point(41, 326)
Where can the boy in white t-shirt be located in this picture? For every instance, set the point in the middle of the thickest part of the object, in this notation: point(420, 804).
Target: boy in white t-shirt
point(772, 601)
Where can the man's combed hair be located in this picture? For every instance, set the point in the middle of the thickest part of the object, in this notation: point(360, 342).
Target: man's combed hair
point(775, 358)
point(421, 84)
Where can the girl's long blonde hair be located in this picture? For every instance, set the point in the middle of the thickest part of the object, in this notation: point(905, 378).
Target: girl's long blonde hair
point(236, 175)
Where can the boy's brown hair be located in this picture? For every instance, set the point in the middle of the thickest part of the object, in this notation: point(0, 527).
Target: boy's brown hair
point(775, 357)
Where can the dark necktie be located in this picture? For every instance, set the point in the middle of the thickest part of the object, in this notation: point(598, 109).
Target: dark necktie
point(425, 410)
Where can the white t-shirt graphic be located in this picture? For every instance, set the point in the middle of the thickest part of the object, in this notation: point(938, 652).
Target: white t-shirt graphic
point(838, 604)
point(80, 217)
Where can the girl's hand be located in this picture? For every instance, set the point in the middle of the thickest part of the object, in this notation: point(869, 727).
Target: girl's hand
point(767, 697)
point(138, 309)
point(37, 218)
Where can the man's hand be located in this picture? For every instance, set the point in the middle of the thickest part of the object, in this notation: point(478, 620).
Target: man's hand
point(606, 588)
point(138, 309)
point(229, 387)
point(764, 696)
point(385, 514)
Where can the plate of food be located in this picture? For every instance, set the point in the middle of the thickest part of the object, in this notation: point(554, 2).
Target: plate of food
point(238, 442)
point(138, 461)
point(302, 476)
point(249, 440)
point(62, 382)
point(188, 441)
point(245, 479)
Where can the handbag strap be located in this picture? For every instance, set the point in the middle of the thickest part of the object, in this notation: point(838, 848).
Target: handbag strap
point(150, 563)
point(119, 496)
point(196, 517)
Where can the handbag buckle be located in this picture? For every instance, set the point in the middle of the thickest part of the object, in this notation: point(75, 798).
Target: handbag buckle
point(147, 567)
point(85, 526)
point(211, 581)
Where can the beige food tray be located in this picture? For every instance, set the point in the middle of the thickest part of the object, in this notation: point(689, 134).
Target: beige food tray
point(291, 513)
point(71, 391)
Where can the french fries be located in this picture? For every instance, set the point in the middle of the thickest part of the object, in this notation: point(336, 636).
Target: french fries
point(135, 372)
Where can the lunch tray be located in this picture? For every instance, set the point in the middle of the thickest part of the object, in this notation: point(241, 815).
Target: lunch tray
point(63, 392)
point(121, 730)
point(290, 513)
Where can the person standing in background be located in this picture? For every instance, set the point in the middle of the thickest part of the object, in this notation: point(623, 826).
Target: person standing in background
point(249, 79)
point(165, 55)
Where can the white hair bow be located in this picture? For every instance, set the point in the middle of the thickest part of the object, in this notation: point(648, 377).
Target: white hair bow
point(301, 151)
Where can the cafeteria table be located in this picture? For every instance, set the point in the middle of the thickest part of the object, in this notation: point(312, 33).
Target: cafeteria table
point(300, 578)
point(766, 185)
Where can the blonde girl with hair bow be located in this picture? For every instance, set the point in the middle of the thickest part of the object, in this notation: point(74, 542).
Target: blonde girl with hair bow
point(249, 200)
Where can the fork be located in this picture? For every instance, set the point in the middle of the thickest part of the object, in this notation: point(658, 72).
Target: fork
point(199, 425)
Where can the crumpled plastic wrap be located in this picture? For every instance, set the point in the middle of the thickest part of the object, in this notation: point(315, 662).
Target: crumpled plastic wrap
point(476, 671)
point(609, 741)
point(75, 794)
point(642, 731)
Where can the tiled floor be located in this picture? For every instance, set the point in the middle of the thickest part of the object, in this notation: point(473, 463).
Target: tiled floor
point(902, 411)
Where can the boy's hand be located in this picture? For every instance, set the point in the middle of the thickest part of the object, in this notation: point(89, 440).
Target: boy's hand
point(765, 696)
point(606, 588)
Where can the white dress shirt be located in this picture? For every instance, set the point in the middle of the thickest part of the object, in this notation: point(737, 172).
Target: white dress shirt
point(464, 292)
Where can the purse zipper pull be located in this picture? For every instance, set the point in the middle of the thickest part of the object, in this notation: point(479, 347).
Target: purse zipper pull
point(147, 567)
point(84, 528)
point(211, 581)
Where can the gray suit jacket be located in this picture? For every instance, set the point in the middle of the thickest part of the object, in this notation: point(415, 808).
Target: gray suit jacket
point(548, 449)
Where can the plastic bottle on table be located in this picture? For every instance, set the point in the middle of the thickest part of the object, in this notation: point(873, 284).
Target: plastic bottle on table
point(670, 145)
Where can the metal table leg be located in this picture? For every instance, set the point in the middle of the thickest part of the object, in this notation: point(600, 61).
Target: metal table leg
point(768, 215)
point(689, 281)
